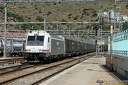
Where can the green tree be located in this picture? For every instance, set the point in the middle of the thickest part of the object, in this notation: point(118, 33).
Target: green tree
point(19, 18)
point(10, 14)
point(95, 26)
point(39, 18)
point(15, 16)
point(126, 5)
point(26, 26)
point(37, 27)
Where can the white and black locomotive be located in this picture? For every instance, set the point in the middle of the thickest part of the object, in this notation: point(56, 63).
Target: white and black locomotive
point(43, 47)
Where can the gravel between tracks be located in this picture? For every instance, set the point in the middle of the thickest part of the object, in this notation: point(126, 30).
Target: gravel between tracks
point(19, 73)
point(30, 79)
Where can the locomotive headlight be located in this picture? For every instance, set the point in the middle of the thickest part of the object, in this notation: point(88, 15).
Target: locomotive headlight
point(44, 50)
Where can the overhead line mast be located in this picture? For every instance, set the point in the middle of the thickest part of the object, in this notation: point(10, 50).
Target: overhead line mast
point(5, 27)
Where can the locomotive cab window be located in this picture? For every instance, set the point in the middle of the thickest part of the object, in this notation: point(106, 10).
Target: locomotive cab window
point(31, 38)
point(35, 40)
point(40, 38)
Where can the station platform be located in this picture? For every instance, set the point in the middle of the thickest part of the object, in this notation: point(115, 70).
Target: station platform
point(88, 72)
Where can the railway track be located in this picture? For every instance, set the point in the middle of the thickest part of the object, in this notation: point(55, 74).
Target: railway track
point(11, 60)
point(14, 68)
point(37, 74)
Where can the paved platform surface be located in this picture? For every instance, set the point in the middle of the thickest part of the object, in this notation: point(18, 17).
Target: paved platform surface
point(85, 73)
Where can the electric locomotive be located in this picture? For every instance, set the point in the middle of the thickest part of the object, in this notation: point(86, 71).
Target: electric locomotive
point(40, 46)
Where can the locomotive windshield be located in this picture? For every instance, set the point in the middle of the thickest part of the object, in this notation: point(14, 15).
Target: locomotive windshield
point(35, 40)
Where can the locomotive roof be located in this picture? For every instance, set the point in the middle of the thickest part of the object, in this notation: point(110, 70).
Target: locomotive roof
point(57, 37)
point(37, 31)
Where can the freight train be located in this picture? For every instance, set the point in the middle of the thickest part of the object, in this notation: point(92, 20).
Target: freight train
point(40, 46)
point(1, 46)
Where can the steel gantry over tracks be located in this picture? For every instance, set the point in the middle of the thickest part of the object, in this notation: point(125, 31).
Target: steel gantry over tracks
point(50, 22)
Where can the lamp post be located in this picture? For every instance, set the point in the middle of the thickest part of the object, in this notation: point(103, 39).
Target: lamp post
point(111, 40)
point(111, 17)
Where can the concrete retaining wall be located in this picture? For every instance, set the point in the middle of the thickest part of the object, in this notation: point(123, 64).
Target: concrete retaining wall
point(120, 64)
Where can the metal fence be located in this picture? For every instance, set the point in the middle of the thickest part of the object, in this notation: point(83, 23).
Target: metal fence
point(119, 44)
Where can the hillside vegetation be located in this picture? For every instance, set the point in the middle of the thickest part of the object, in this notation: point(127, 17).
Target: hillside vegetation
point(57, 11)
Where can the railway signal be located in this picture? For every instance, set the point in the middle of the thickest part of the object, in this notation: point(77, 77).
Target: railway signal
point(96, 32)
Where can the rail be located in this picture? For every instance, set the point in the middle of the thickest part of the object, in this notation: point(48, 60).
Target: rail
point(36, 76)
